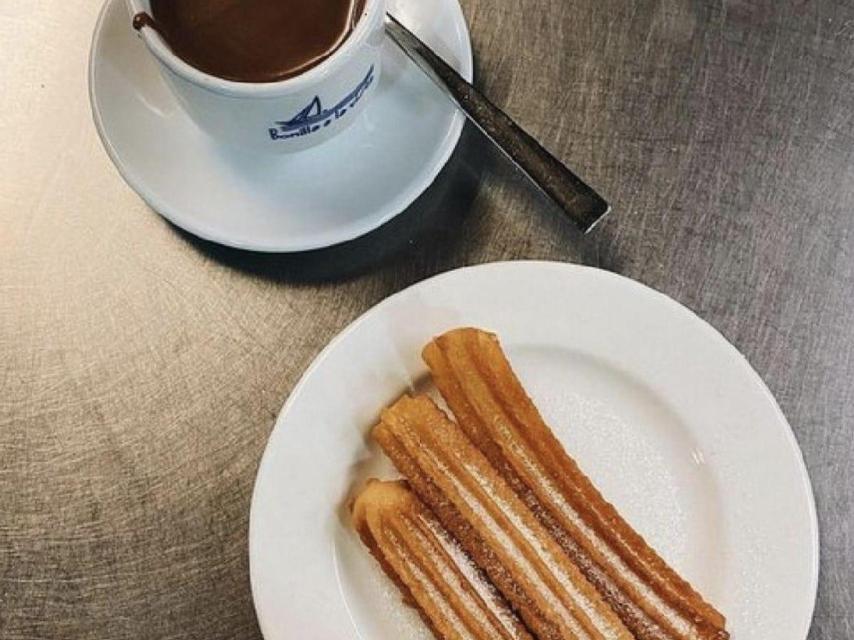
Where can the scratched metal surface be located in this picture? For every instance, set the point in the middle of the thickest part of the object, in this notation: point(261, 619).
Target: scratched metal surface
point(141, 370)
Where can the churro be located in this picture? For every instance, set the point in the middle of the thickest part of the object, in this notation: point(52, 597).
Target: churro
point(493, 525)
point(436, 577)
point(479, 386)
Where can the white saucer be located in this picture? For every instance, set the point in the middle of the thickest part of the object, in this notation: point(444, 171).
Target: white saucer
point(667, 417)
point(316, 198)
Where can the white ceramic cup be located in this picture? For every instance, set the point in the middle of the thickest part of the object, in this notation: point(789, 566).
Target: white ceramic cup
point(288, 115)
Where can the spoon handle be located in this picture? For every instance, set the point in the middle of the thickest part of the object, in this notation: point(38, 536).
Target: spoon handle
point(579, 201)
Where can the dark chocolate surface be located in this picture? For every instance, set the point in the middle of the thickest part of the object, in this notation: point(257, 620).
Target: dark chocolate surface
point(252, 40)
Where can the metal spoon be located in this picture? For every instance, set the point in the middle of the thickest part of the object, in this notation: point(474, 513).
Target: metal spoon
point(579, 201)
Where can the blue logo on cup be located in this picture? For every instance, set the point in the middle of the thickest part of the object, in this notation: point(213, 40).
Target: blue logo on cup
point(314, 116)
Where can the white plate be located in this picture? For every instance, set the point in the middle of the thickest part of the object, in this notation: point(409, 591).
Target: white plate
point(669, 420)
point(316, 198)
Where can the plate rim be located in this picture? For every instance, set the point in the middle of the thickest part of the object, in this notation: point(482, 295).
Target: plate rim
point(715, 334)
point(338, 235)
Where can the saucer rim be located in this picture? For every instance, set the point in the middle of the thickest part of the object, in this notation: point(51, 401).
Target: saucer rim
point(290, 244)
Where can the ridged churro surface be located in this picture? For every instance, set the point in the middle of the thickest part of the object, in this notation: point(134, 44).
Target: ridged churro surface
point(493, 524)
point(431, 570)
point(492, 408)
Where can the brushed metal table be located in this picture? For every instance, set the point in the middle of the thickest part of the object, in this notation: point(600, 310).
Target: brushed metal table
point(141, 369)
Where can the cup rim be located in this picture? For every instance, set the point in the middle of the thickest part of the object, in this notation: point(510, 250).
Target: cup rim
point(158, 47)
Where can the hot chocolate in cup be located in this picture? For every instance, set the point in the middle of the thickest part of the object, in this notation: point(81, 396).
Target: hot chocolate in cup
point(284, 80)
